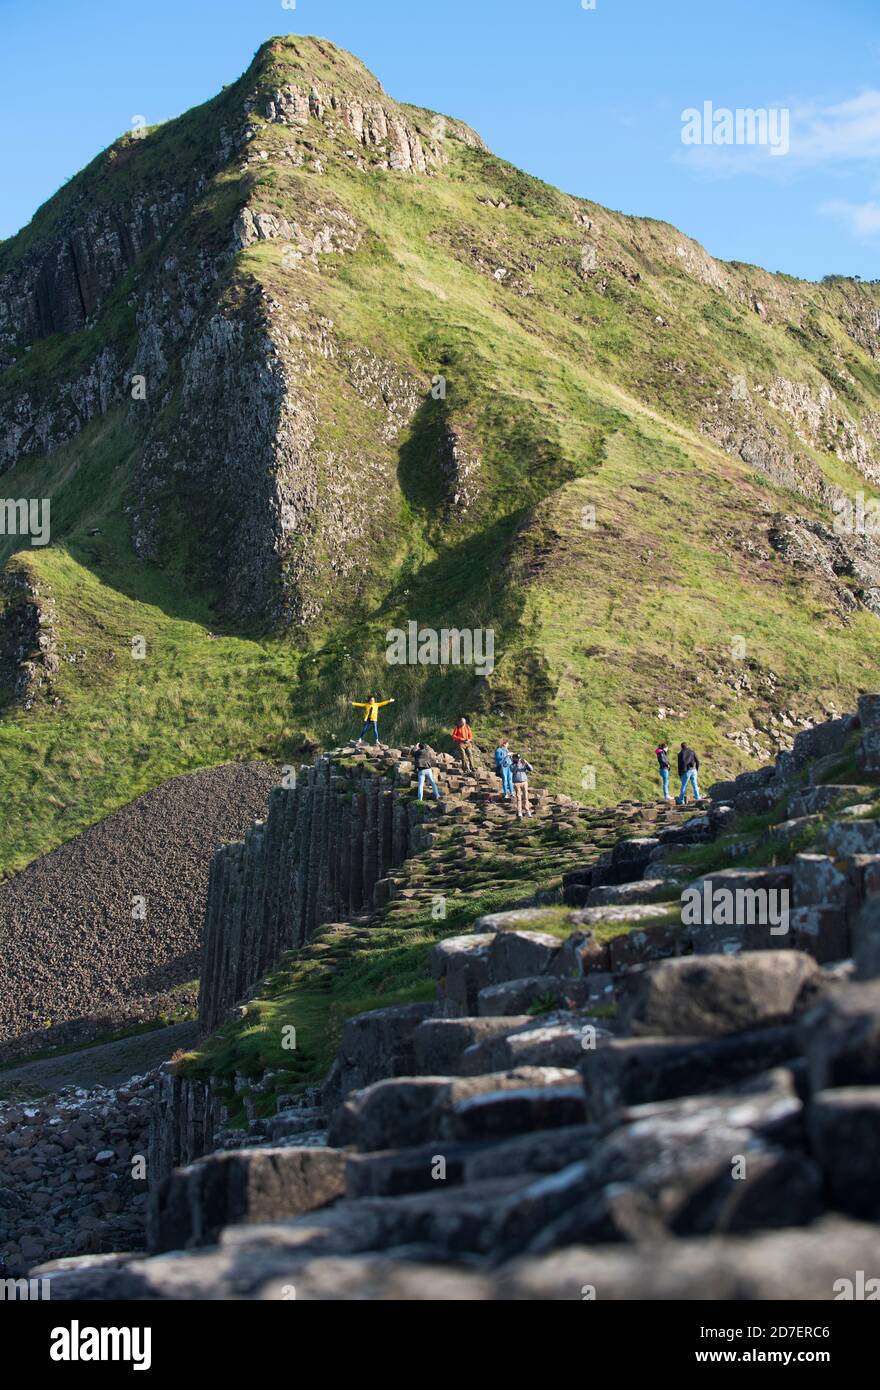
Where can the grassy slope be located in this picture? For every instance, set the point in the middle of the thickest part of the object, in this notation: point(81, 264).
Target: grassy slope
point(565, 392)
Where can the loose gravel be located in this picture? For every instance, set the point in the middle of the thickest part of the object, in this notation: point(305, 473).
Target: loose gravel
point(115, 915)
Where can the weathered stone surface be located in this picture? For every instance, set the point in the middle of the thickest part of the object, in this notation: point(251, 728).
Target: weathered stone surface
point(643, 890)
point(514, 955)
point(375, 1045)
point(557, 1040)
point(414, 1110)
point(497, 1114)
point(460, 966)
point(638, 1071)
point(844, 838)
point(844, 1129)
point(552, 992)
point(440, 1044)
point(816, 881)
point(714, 995)
point(798, 1264)
point(841, 1037)
point(807, 803)
point(249, 1186)
point(540, 1151)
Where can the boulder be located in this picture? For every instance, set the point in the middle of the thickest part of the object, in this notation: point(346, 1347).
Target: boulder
point(844, 1130)
point(460, 965)
point(713, 995)
point(516, 954)
point(637, 1071)
point(799, 1264)
point(547, 992)
point(841, 1037)
point(375, 1045)
point(246, 1186)
point(439, 1044)
point(409, 1111)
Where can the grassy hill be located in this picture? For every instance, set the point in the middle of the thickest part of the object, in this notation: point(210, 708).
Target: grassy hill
point(628, 474)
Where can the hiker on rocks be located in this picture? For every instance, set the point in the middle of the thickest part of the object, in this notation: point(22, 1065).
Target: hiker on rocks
point(519, 772)
point(371, 710)
point(424, 760)
point(463, 737)
point(688, 767)
point(662, 752)
point(503, 763)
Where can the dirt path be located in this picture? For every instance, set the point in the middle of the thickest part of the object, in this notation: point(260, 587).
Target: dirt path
point(108, 1064)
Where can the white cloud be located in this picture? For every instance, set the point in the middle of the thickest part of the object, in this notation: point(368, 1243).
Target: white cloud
point(862, 219)
point(846, 133)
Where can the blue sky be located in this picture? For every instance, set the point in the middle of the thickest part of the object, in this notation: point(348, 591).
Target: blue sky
point(588, 99)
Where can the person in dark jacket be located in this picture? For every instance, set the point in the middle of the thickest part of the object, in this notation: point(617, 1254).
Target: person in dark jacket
point(424, 761)
point(688, 767)
point(520, 770)
point(662, 752)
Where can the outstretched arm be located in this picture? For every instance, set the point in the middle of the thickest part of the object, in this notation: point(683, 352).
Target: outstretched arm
point(359, 704)
point(384, 702)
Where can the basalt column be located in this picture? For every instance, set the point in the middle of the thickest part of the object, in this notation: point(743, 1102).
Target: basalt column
point(317, 857)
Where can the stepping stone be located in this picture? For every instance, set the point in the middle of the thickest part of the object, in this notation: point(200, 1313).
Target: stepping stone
point(844, 1129)
point(440, 1043)
point(845, 838)
point(552, 991)
point(710, 996)
point(246, 1186)
point(643, 890)
point(638, 1071)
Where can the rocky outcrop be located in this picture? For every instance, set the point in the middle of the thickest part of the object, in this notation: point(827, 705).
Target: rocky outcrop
point(29, 653)
point(61, 285)
point(324, 846)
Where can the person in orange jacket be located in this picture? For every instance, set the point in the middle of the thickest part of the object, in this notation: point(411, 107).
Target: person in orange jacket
point(463, 736)
point(371, 710)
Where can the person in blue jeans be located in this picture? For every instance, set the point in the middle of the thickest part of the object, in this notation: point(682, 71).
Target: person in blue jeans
point(423, 762)
point(503, 767)
point(662, 752)
point(688, 767)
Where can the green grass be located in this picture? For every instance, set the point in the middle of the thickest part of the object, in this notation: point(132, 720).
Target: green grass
point(569, 396)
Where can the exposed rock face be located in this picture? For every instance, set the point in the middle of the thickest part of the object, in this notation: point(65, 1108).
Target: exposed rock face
point(317, 857)
point(28, 644)
point(63, 283)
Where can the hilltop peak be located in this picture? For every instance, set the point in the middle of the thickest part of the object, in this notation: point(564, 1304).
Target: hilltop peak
point(297, 57)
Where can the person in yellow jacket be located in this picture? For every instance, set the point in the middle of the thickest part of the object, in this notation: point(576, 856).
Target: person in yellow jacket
point(371, 710)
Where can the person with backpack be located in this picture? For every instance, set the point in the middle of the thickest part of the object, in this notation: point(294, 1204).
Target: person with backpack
point(463, 737)
point(371, 710)
point(662, 753)
point(688, 767)
point(424, 760)
point(503, 761)
point(520, 770)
